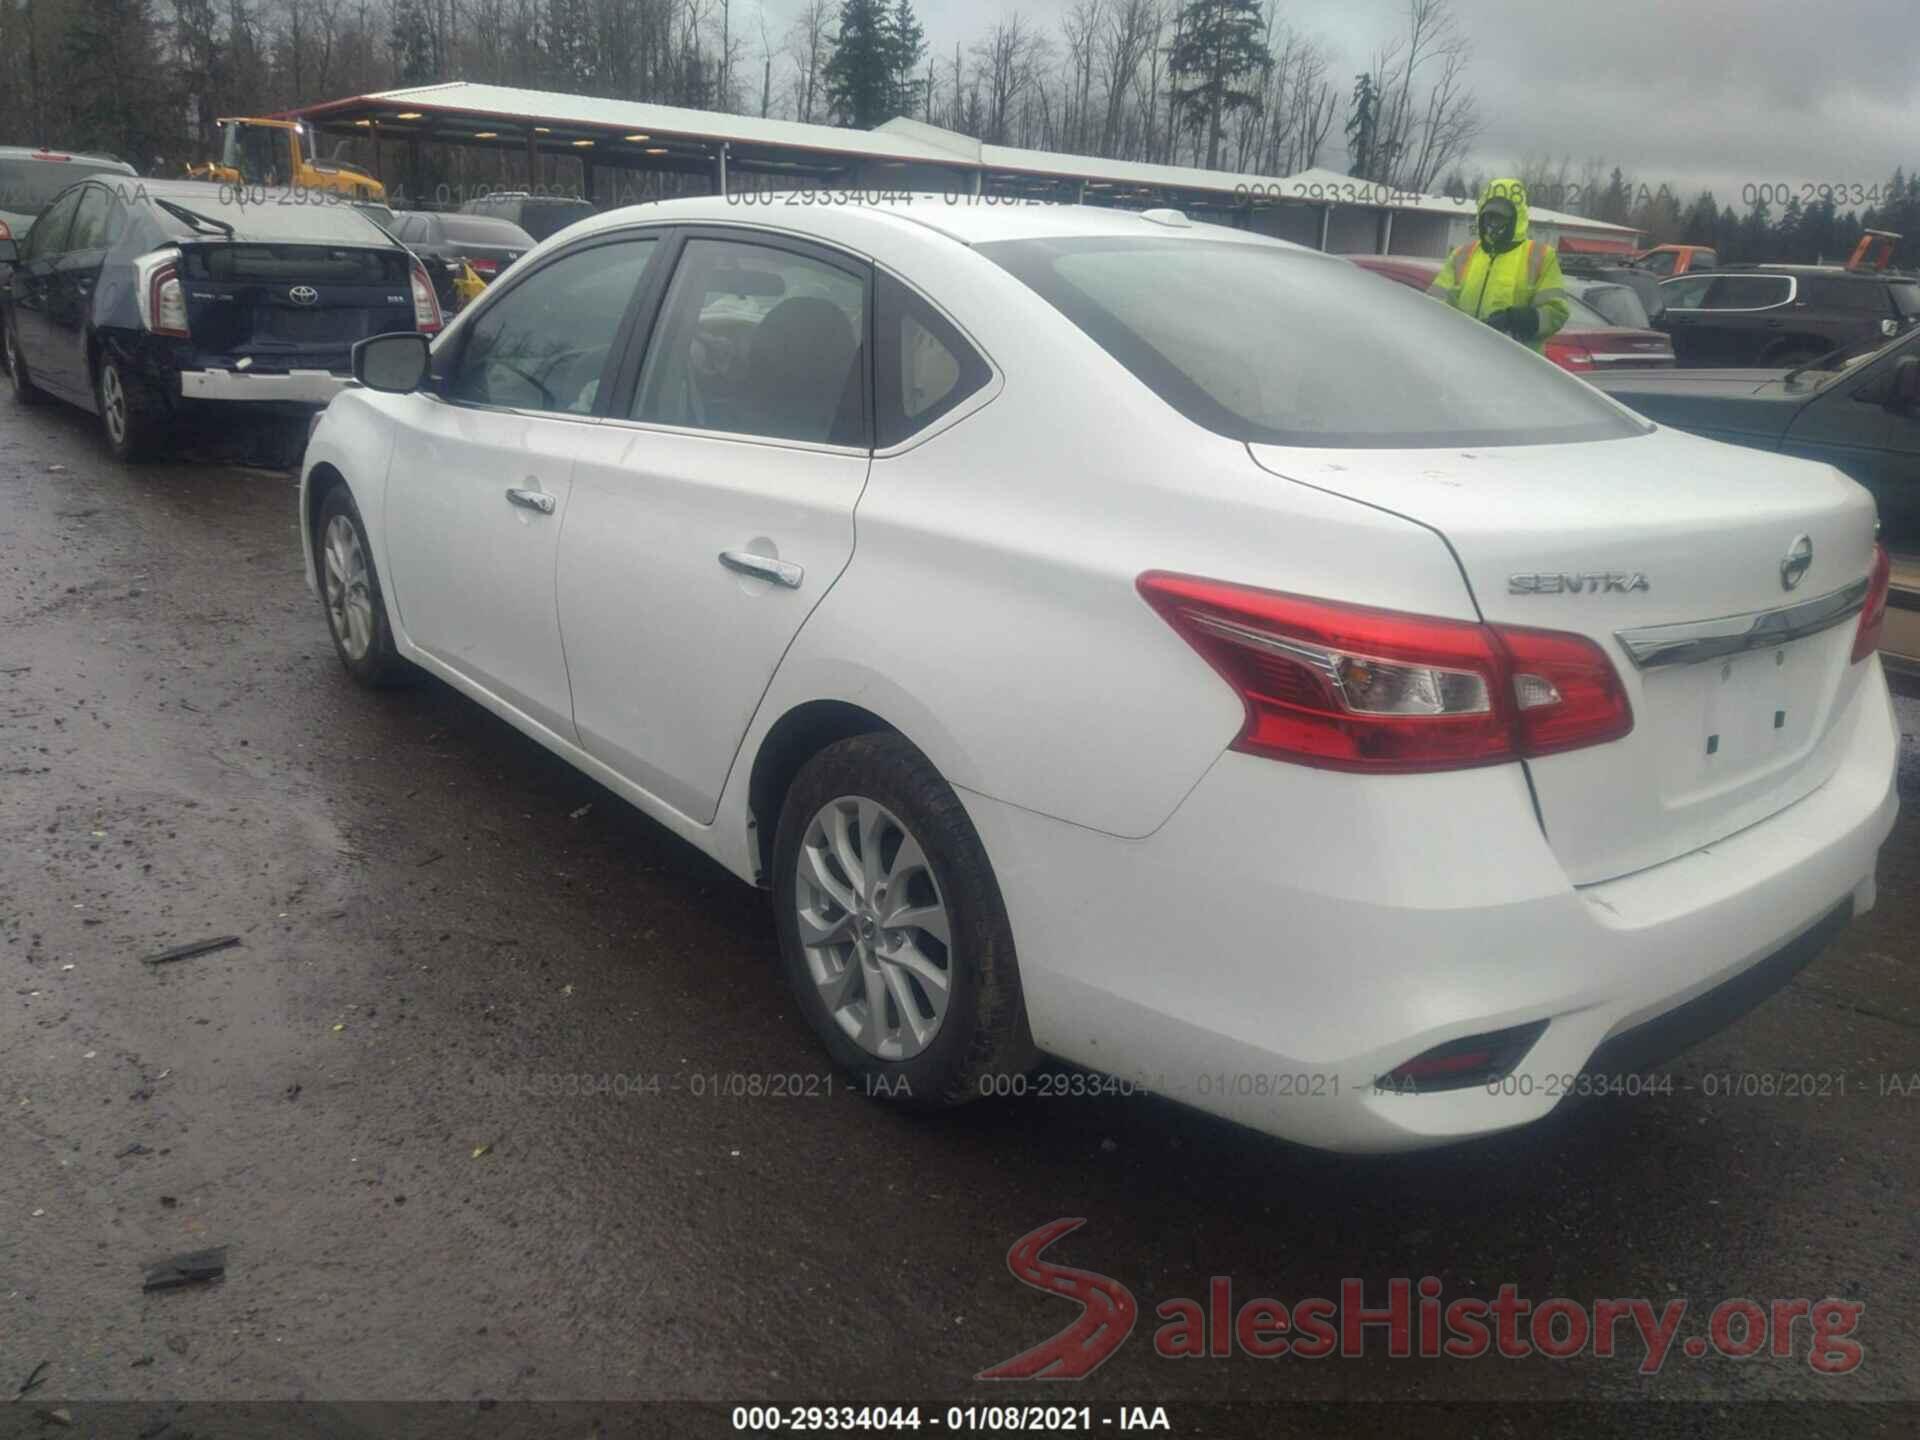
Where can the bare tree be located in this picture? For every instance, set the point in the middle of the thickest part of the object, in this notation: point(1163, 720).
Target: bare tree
point(1427, 117)
point(809, 43)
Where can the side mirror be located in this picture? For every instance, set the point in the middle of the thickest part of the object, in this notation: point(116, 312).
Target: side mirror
point(395, 364)
point(1904, 394)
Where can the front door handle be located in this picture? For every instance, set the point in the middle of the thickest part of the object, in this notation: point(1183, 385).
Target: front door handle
point(533, 500)
point(763, 567)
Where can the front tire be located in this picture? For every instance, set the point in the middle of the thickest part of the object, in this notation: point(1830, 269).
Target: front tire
point(892, 930)
point(134, 431)
point(350, 595)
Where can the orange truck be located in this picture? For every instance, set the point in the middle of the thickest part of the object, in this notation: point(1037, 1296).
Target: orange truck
point(1669, 260)
point(280, 153)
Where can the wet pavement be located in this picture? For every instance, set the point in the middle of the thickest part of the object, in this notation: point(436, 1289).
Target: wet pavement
point(375, 1100)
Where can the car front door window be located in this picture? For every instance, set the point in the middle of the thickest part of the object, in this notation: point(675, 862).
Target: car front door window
point(545, 344)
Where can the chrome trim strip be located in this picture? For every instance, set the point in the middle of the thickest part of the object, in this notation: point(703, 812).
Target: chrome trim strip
point(1655, 646)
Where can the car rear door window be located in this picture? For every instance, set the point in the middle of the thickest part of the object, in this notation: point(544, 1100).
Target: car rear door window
point(1685, 294)
point(923, 366)
point(1748, 292)
point(49, 233)
point(545, 344)
point(755, 340)
point(89, 221)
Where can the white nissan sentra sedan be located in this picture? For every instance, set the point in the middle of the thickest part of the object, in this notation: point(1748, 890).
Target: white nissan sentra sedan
point(1137, 642)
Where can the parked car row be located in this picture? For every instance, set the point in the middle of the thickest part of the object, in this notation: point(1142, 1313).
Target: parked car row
point(140, 300)
point(1783, 315)
point(135, 301)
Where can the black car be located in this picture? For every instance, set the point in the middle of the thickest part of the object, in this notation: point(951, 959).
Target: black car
point(450, 242)
point(136, 299)
point(1783, 316)
point(538, 215)
point(1858, 409)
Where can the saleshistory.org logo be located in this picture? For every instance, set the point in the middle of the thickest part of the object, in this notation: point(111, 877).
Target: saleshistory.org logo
point(1415, 1319)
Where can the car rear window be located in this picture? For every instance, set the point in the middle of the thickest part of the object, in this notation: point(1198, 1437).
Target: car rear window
point(482, 230)
point(27, 185)
point(1276, 346)
point(316, 221)
point(1617, 304)
point(1835, 293)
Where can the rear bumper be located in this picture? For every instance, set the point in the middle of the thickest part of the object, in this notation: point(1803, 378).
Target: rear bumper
point(1290, 935)
point(301, 387)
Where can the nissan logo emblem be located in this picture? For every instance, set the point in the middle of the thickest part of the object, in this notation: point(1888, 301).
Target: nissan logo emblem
point(303, 295)
point(1799, 560)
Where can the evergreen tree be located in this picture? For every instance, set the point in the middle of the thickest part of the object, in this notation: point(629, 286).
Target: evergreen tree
point(1363, 119)
point(1218, 64)
point(109, 76)
point(907, 47)
point(860, 75)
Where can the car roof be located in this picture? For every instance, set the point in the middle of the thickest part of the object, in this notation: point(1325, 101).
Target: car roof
point(969, 219)
point(62, 157)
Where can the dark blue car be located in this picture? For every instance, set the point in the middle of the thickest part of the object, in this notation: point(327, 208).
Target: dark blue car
point(140, 300)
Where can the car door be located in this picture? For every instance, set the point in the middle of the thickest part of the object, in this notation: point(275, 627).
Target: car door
point(1680, 314)
point(1741, 317)
point(70, 300)
point(711, 516)
point(482, 471)
point(33, 291)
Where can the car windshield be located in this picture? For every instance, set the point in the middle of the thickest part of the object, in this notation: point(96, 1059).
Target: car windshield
point(1271, 345)
point(27, 185)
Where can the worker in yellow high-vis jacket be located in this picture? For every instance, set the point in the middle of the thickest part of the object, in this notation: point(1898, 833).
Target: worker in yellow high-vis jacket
point(1502, 277)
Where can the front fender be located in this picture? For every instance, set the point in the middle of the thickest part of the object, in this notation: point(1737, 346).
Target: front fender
point(352, 439)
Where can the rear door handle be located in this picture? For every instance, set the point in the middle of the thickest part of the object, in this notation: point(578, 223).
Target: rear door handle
point(533, 500)
point(763, 567)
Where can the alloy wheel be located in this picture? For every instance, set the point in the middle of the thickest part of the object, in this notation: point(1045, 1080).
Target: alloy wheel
point(349, 596)
point(874, 928)
point(113, 404)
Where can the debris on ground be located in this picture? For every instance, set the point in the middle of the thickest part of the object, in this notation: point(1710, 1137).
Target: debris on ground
point(33, 1381)
point(167, 1202)
point(142, 1361)
point(480, 1150)
point(580, 812)
point(198, 947)
point(58, 1417)
point(134, 1149)
point(437, 855)
point(195, 1267)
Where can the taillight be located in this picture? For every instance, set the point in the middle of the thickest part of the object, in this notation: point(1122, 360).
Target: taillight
point(1873, 618)
point(426, 304)
point(1569, 356)
point(1350, 687)
point(166, 302)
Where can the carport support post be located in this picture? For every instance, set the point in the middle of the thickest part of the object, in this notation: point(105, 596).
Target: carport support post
point(720, 170)
point(1386, 232)
point(1326, 224)
point(533, 165)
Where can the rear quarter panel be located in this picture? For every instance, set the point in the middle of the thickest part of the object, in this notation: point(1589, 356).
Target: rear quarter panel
point(990, 610)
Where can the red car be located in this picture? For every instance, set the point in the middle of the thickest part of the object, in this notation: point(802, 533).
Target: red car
point(1588, 342)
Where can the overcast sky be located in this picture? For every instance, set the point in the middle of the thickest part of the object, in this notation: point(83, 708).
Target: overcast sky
point(1699, 93)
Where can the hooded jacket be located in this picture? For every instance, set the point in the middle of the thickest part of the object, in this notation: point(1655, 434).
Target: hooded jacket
point(1527, 273)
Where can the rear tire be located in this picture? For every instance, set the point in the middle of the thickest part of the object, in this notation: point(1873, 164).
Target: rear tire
point(892, 930)
point(350, 595)
point(24, 390)
point(128, 418)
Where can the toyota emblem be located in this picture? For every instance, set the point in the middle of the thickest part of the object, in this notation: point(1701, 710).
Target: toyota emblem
point(303, 295)
point(1799, 560)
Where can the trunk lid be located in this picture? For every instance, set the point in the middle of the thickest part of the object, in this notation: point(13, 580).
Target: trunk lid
point(293, 306)
point(1626, 536)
